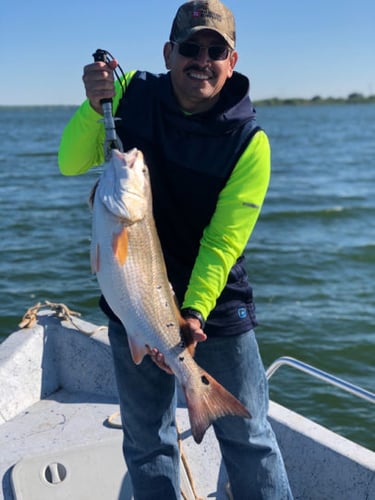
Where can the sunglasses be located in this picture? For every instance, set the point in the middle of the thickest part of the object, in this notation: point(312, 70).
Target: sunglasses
point(192, 50)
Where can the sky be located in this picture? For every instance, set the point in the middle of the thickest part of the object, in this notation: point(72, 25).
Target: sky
point(289, 48)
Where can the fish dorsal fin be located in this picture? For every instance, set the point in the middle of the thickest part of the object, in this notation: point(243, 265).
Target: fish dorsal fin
point(120, 245)
point(138, 350)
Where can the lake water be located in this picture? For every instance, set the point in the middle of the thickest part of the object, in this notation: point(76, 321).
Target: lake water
point(311, 258)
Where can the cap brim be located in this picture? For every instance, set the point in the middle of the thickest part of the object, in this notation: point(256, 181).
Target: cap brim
point(195, 29)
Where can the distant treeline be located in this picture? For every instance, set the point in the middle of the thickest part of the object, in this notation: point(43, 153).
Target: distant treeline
point(354, 98)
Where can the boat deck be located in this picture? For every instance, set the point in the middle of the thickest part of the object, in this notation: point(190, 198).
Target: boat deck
point(72, 429)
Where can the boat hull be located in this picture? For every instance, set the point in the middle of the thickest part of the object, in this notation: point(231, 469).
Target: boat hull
point(57, 390)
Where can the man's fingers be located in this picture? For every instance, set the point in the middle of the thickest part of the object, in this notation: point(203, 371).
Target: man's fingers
point(158, 358)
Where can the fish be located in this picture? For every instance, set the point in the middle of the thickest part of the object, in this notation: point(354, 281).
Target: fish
point(127, 258)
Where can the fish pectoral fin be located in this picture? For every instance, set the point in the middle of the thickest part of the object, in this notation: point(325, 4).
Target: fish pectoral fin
point(138, 349)
point(120, 245)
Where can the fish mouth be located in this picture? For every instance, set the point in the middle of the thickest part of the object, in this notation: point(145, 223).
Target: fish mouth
point(133, 156)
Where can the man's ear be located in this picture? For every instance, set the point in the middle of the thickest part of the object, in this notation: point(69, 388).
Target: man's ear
point(233, 58)
point(167, 50)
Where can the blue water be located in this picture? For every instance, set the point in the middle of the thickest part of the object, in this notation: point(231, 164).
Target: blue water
point(311, 258)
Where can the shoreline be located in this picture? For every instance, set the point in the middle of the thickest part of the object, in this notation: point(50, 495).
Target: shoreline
point(353, 98)
point(294, 101)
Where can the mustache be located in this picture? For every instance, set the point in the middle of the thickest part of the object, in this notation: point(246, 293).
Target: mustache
point(196, 67)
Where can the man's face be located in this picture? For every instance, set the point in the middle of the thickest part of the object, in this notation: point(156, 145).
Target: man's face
point(197, 80)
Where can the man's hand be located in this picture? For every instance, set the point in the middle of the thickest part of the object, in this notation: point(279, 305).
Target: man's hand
point(191, 333)
point(158, 358)
point(99, 84)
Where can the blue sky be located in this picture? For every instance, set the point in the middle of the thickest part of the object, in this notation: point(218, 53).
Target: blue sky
point(287, 48)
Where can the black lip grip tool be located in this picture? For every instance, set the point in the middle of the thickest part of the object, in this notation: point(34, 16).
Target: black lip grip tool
point(111, 139)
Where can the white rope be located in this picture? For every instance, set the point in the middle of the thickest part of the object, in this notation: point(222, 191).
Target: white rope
point(30, 318)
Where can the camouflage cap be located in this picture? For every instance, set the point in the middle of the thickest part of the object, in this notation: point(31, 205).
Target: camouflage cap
point(194, 16)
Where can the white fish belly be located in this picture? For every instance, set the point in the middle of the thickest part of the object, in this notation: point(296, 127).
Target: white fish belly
point(138, 291)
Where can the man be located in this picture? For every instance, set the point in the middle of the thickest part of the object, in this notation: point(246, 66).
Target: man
point(209, 166)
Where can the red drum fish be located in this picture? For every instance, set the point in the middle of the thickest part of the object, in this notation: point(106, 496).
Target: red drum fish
point(127, 258)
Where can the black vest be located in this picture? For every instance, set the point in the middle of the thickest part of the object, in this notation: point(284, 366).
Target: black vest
point(190, 158)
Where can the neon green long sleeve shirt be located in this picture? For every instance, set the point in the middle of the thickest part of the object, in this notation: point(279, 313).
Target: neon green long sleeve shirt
point(233, 221)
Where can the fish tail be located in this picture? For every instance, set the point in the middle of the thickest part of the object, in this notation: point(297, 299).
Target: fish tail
point(209, 402)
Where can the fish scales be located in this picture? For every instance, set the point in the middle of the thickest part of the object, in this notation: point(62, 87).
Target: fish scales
point(127, 258)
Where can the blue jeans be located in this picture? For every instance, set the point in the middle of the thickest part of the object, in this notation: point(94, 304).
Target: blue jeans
point(148, 401)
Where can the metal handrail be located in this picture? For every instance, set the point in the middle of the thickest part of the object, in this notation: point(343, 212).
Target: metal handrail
point(320, 374)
